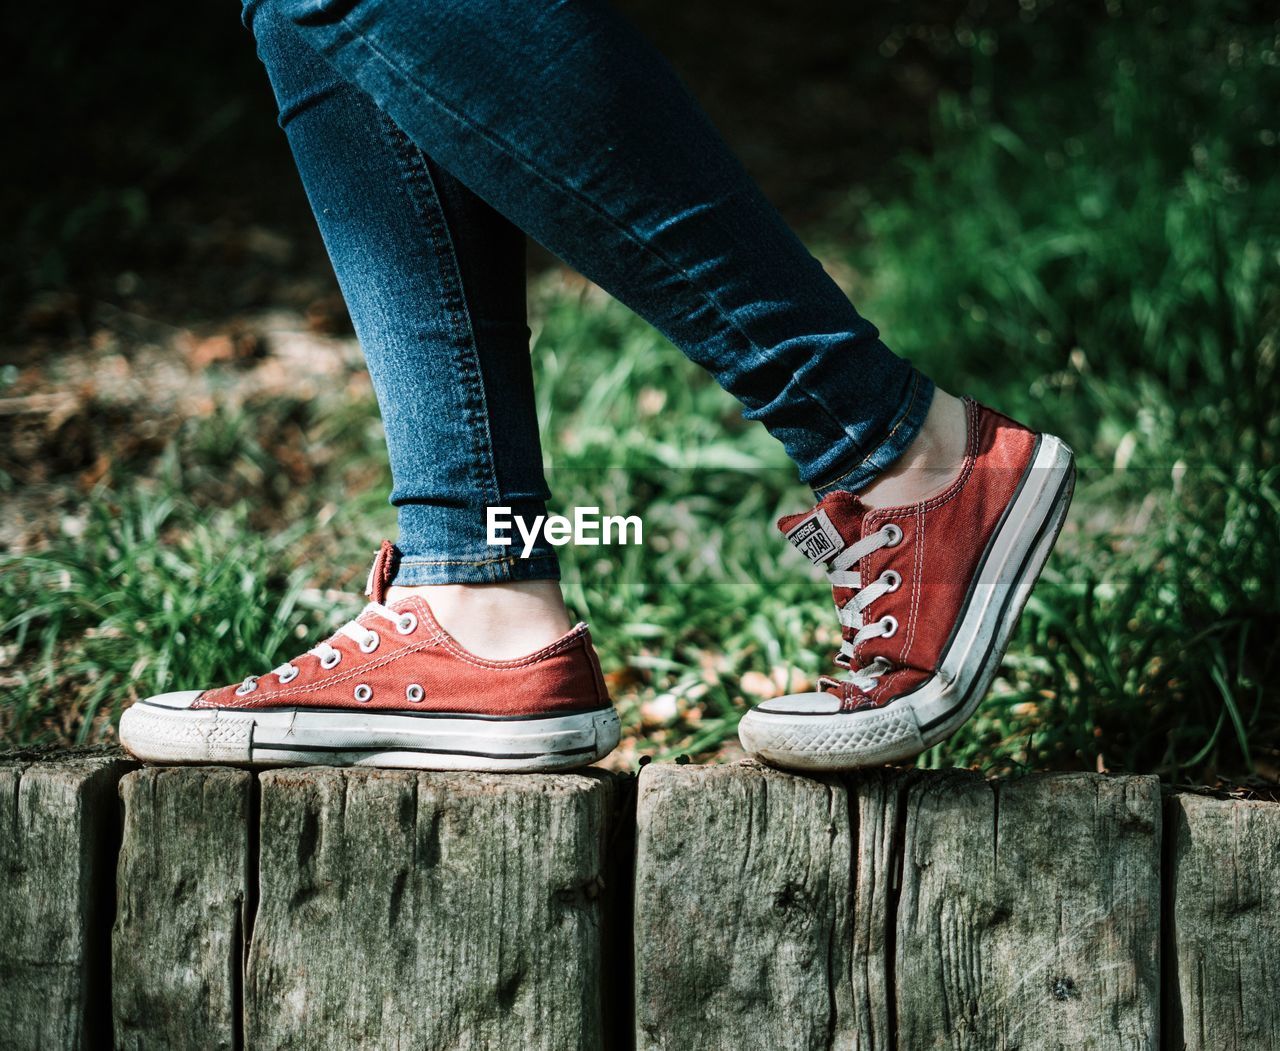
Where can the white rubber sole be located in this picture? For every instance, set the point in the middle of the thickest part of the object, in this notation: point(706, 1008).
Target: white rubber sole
point(938, 707)
point(416, 740)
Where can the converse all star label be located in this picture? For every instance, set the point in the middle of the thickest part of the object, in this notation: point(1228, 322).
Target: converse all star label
point(816, 538)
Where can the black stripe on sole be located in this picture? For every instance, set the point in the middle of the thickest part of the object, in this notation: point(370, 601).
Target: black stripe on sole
point(370, 749)
point(560, 713)
point(1066, 486)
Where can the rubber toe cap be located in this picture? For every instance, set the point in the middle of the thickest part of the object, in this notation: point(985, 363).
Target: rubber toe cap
point(179, 699)
point(799, 704)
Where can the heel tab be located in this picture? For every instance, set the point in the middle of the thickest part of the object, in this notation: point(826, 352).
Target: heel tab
point(382, 572)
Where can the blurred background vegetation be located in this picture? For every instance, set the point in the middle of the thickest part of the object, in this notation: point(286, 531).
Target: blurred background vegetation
point(1069, 210)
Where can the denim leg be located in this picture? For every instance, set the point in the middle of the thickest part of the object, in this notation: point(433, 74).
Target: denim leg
point(435, 282)
point(560, 116)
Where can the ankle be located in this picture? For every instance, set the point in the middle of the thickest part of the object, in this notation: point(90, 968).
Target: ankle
point(495, 621)
point(930, 463)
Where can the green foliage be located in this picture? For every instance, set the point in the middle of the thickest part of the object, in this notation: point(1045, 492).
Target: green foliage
point(1093, 245)
point(149, 596)
point(1105, 261)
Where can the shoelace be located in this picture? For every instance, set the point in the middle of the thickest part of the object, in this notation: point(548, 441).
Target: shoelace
point(850, 613)
point(366, 638)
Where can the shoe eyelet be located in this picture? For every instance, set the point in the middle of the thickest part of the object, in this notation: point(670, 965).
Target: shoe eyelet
point(892, 578)
point(363, 693)
point(892, 534)
point(246, 687)
point(413, 692)
point(407, 624)
point(327, 662)
point(290, 675)
point(890, 624)
point(370, 642)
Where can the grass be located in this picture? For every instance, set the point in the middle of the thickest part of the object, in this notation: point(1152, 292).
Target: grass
point(1102, 260)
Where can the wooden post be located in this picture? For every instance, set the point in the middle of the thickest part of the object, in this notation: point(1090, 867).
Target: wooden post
point(184, 888)
point(411, 910)
point(1030, 914)
point(889, 911)
point(1223, 982)
point(57, 839)
point(762, 904)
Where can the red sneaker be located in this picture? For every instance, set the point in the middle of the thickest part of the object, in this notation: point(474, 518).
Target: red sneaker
point(928, 596)
point(392, 688)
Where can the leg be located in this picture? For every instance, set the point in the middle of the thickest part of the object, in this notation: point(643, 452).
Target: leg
point(564, 121)
point(434, 280)
point(568, 123)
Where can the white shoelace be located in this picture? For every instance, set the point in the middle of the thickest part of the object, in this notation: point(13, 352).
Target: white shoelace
point(850, 613)
point(366, 638)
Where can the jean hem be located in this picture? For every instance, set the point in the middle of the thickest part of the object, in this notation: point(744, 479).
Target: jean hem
point(500, 569)
point(902, 432)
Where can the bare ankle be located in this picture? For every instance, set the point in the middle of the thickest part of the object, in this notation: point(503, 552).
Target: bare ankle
point(496, 621)
point(930, 462)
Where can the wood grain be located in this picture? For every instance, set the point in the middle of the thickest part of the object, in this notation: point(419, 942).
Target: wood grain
point(742, 919)
point(184, 885)
point(878, 802)
point(57, 840)
point(1030, 914)
point(890, 911)
point(1223, 983)
point(406, 910)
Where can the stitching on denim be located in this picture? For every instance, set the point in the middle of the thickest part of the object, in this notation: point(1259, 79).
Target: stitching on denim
point(452, 110)
point(897, 426)
point(418, 183)
point(458, 561)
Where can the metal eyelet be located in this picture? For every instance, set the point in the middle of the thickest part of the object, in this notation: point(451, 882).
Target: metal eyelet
point(326, 662)
point(892, 623)
point(363, 692)
point(370, 642)
point(290, 675)
point(413, 692)
point(892, 534)
point(407, 624)
point(893, 578)
point(246, 687)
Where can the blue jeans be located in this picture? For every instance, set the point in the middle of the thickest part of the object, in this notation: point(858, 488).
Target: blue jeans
point(432, 134)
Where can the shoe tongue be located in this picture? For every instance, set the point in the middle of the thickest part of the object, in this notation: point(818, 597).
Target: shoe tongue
point(382, 572)
point(827, 529)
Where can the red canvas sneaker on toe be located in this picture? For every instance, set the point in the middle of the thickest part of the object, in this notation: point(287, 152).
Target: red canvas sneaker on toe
point(928, 596)
point(392, 688)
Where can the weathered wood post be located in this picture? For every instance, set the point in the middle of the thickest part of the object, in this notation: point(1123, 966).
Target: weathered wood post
point(57, 843)
point(1030, 913)
point(762, 901)
point(183, 907)
point(891, 911)
point(896, 911)
point(419, 910)
point(1222, 988)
